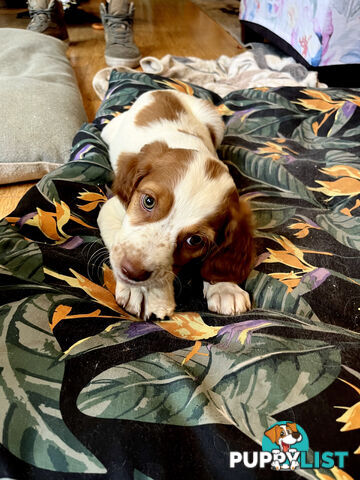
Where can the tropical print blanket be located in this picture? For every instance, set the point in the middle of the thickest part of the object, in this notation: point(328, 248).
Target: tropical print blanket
point(87, 391)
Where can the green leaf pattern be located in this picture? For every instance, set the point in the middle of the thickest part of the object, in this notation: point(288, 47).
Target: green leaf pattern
point(279, 145)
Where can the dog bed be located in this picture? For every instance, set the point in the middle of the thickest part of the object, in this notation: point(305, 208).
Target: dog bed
point(41, 105)
point(90, 392)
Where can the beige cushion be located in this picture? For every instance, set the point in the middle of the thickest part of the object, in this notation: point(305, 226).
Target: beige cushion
point(40, 104)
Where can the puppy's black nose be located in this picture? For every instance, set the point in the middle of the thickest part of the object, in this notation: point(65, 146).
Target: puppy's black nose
point(296, 434)
point(133, 270)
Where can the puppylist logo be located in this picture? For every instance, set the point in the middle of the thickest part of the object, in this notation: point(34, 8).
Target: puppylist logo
point(286, 441)
point(285, 446)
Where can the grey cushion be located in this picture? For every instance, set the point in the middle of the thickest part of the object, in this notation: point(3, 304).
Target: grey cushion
point(41, 106)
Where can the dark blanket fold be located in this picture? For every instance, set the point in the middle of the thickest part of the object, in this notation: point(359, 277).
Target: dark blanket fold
point(90, 392)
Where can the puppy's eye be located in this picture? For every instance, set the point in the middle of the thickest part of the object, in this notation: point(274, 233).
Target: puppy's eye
point(148, 202)
point(282, 434)
point(195, 241)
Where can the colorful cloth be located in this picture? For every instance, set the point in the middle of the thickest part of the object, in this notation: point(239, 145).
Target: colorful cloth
point(89, 392)
point(324, 32)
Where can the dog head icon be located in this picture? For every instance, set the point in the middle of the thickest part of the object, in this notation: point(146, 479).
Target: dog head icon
point(285, 435)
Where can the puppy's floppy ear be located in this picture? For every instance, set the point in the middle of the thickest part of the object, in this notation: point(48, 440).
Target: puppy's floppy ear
point(292, 426)
point(133, 167)
point(232, 258)
point(273, 433)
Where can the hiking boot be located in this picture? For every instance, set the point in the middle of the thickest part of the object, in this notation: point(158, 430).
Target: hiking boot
point(47, 17)
point(117, 17)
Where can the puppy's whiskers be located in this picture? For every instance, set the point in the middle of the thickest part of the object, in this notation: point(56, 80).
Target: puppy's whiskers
point(95, 260)
point(175, 279)
point(98, 260)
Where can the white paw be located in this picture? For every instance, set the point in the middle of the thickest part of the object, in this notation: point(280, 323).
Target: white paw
point(130, 298)
point(146, 302)
point(159, 310)
point(159, 302)
point(226, 298)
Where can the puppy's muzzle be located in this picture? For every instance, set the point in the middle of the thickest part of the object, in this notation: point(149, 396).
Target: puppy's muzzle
point(134, 270)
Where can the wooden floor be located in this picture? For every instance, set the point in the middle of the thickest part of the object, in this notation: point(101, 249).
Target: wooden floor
point(177, 27)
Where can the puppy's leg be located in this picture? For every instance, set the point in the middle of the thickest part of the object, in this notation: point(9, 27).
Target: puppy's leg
point(129, 297)
point(226, 298)
point(160, 301)
point(155, 301)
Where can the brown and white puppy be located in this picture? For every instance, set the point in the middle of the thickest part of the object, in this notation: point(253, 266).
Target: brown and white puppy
point(174, 201)
point(285, 436)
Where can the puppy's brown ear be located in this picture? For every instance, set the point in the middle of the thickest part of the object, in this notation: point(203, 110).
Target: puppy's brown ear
point(292, 426)
point(130, 170)
point(232, 258)
point(133, 167)
point(273, 433)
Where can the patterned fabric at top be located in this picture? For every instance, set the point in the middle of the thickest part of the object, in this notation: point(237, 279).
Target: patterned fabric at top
point(324, 32)
point(87, 391)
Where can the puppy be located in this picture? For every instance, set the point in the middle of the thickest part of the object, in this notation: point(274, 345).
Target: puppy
point(174, 202)
point(285, 436)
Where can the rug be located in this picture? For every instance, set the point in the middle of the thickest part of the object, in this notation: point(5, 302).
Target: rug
point(225, 14)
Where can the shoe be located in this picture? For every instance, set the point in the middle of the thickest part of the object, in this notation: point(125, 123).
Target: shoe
point(47, 17)
point(117, 17)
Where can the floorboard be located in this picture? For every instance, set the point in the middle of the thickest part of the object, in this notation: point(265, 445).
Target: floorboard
point(161, 27)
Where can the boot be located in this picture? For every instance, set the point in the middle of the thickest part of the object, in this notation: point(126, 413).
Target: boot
point(47, 17)
point(117, 17)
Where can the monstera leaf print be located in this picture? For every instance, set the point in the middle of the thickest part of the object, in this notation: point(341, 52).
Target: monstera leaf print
point(30, 384)
point(31, 375)
point(345, 229)
point(217, 385)
point(267, 171)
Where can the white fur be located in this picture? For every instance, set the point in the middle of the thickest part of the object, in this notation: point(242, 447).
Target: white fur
point(195, 193)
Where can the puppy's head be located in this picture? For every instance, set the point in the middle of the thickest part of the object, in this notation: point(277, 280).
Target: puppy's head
point(180, 207)
point(284, 435)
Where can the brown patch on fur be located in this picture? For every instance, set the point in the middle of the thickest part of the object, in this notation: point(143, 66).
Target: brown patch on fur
point(228, 252)
point(164, 200)
point(164, 106)
point(274, 434)
point(232, 256)
point(185, 253)
point(155, 171)
point(292, 426)
point(214, 168)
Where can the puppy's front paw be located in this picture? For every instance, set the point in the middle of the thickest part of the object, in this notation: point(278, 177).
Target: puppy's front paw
point(130, 298)
point(226, 298)
point(160, 303)
point(159, 312)
point(154, 303)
